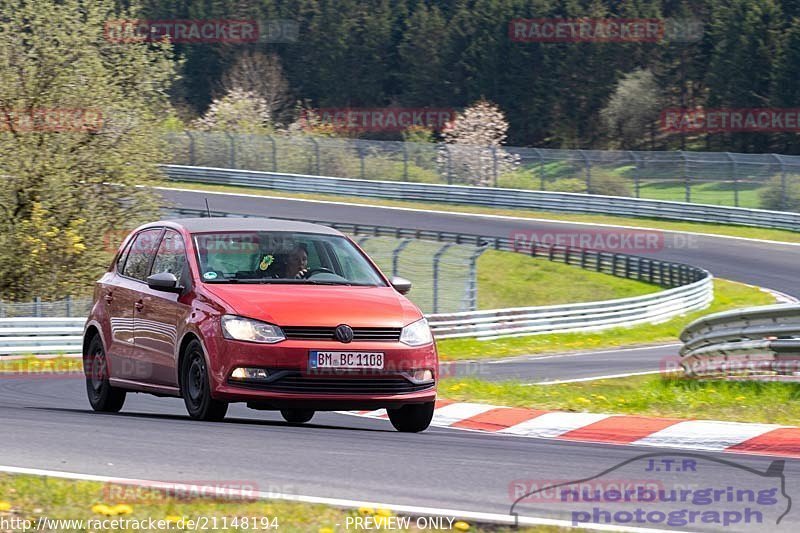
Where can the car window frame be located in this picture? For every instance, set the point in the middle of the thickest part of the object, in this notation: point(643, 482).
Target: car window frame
point(196, 255)
point(152, 259)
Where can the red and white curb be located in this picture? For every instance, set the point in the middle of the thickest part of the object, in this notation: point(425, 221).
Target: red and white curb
point(707, 435)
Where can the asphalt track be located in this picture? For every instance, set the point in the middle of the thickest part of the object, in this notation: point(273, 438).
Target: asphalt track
point(568, 366)
point(48, 425)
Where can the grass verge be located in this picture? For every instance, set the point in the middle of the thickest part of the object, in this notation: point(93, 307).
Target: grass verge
point(30, 364)
point(507, 279)
point(697, 227)
point(727, 295)
point(26, 497)
point(656, 395)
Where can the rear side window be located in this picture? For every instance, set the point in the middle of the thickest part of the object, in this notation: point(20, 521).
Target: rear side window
point(123, 257)
point(141, 254)
point(171, 256)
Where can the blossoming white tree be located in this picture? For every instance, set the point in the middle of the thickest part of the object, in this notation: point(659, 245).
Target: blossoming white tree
point(472, 151)
point(237, 111)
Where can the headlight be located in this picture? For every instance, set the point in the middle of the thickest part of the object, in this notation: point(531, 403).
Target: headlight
point(247, 329)
point(417, 333)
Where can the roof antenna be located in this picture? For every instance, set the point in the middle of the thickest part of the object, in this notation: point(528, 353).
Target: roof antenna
point(208, 211)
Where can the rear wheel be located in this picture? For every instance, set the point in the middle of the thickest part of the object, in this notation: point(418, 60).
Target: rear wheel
point(297, 416)
point(195, 387)
point(102, 396)
point(412, 418)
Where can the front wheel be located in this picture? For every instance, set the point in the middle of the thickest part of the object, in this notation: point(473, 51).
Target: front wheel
point(102, 396)
point(412, 418)
point(297, 416)
point(195, 387)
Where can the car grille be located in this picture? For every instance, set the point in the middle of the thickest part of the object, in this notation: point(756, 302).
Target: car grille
point(341, 385)
point(327, 334)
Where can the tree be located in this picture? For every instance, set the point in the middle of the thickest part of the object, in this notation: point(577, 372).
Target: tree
point(79, 126)
point(745, 36)
point(633, 109)
point(472, 152)
point(421, 52)
point(785, 89)
point(261, 75)
point(238, 111)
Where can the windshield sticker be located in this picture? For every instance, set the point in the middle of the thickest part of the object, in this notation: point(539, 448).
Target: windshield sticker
point(210, 275)
point(266, 262)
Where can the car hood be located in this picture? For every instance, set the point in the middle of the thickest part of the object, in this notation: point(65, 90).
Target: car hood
point(315, 305)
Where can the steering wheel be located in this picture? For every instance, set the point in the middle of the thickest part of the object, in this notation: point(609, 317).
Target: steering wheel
point(319, 270)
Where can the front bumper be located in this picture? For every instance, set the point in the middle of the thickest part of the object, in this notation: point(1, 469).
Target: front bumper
point(293, 384)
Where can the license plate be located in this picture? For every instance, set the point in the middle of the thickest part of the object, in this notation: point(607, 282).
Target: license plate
point(345, 360)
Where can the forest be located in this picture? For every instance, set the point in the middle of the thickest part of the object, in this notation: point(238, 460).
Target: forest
point(448, 54)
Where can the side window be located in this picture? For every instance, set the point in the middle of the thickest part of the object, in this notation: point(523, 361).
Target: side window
point(171, 256)
point(141, 253)
point(123, 257)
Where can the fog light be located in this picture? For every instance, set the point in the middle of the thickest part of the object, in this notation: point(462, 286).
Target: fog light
point(422, 375)
point(249, 373)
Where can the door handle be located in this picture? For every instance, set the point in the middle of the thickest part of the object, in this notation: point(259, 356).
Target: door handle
point(139, 305)
point(109, 297)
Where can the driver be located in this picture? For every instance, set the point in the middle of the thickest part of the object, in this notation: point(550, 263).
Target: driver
point(297, 262)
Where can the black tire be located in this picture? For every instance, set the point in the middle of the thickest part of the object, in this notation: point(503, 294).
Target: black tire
point(297, 416)
point(195, 387)
point(102, 396)
point(412, 418)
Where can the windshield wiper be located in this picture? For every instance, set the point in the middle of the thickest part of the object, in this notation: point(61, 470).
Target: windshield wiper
point(281, 281)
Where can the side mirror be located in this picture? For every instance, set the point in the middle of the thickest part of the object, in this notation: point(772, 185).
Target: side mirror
point(401, 285)
point(164, 281)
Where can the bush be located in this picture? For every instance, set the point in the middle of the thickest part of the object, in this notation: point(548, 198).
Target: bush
point(772, 195)
point(609, 185)
point(603, 184)
point(567, 185)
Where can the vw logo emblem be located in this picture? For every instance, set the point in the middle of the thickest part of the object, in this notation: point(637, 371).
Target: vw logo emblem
point(344, 333)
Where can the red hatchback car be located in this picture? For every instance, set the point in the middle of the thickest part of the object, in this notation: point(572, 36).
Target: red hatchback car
point(286, 316)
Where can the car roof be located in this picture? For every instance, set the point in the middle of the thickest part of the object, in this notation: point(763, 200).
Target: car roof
point(213, 224)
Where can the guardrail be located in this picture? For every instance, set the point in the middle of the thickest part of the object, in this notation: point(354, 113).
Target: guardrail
point(488, 196)
point(26, 335)
point(590, 316)
point(755, 343)
point(765, 181)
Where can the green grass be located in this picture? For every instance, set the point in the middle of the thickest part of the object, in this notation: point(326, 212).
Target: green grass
point(716, 193)
point(697, 227)
point(727, 295)
point(768, 402)
point(507, 279)
point(30, 497)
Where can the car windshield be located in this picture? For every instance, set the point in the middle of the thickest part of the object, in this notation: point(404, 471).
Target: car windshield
point(282, 257)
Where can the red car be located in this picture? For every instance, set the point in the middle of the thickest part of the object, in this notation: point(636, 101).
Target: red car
point(286, 316)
